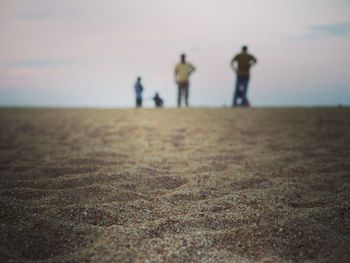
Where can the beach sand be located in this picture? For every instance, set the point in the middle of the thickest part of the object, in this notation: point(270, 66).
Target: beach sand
point(175, 185)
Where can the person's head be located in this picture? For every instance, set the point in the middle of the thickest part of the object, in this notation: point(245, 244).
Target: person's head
point(138, 79)
point(183, 58)
point(244, 49)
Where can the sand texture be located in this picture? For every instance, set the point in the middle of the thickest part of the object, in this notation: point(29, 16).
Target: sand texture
point(175, 185)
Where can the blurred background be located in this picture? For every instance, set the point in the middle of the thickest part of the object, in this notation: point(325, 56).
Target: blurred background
point(84, 53)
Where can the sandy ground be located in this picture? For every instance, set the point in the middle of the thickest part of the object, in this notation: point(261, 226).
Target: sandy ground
point(175, 185)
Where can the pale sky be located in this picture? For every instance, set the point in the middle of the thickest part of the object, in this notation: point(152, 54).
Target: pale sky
point(89, 53)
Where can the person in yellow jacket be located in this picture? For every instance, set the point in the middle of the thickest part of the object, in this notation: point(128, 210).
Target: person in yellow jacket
point(183, 70)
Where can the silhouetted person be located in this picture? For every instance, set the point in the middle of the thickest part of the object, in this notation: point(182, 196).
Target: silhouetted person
point(158, 101)
point(183, 70)
point(244, 61)
point(138, 90)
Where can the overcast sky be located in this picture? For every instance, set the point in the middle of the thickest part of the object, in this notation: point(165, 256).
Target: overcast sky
point(89, 53)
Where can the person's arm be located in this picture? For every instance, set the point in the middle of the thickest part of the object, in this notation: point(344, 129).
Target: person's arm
point(253, 61)
point(232, 64)
point(175, 74)
point(192, 69)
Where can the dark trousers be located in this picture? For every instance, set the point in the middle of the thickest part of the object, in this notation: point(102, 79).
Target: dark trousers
point(138, 102)
point(182, 92)
point(241, 90)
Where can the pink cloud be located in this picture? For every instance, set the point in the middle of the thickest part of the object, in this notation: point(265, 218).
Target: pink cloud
point(21, 72)
point(24, 78)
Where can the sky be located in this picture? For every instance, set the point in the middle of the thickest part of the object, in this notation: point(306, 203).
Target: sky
point(85, 53)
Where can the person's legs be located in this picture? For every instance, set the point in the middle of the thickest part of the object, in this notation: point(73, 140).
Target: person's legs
point(186, 91)
point(245, 82)
point(179, 95)
point(237, 91)
point(138, 102)
point(182, 92)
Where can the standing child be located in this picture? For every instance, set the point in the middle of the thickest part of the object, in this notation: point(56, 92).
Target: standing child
point(138, 90)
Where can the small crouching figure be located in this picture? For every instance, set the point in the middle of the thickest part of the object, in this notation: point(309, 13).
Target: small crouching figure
point(158, 101)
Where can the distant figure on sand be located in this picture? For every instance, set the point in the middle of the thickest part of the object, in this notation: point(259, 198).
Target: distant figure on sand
point(183, 70)
point(158, 101)
point(138, 90)
point(244, 61)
